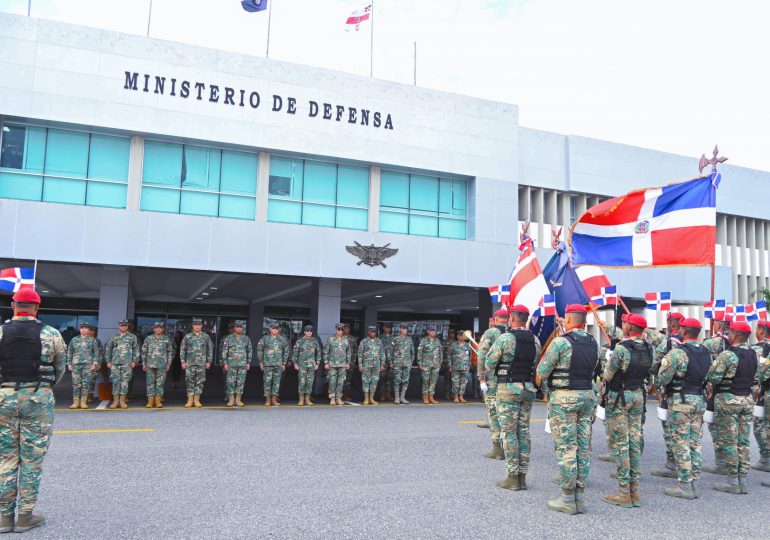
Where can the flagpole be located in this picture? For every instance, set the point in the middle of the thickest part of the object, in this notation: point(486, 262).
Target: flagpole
point(29, 8)
point(149, 18)
point(269, 20)
point(371, 44)
point(415, 63)
point(34, 275)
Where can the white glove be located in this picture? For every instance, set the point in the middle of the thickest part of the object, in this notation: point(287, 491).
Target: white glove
point(607, 355)
point(484, 387)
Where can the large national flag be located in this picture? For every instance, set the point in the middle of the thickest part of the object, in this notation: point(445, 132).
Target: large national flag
point(252, 6)
point(13, 279)
point(357, 17)
point(669, 226)
point(527, 284)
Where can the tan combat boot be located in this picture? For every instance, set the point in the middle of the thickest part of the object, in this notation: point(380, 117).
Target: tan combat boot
point(307, 400)
point(371, 400)
point(268, 401)
point(28, 521)
point(158, 402)
point(230, 400)
point(6, 524)
point(366, 398)
point(189, 401)
point(496, 452)
point(432, 399)
point(123, 404)
point(403, 398)
point(636, 498)
point(75, 403)
point(457, 399)
point(150, 402)
point(276, 403)
point(332, 400)
point(462, 399)
point(115, 402)
point(622, 497)
point(301, 401)
point(84, 402)
point(425, 399)
point(238, 401)
point(197, 401)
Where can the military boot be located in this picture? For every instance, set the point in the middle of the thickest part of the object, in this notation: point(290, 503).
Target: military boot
point(371, 399)
point(496, 452)
point(622, 497)
point(332, 400)
point(84, 402)
point(301, 401)
point(763, 464)
point(230, 400)
point(668, 471)
point(29, 521)
point(456, 399)
point(462, 399)
point(432, 399)
point(75, 403)
point(150, 402)
point(276, 402)
point(115, 402)
point(606, 457)
point(510, 482)
point(268, 401)
point(718, 468)
point(397, 398)
point(732, 486)
point(366, 398)
point(425, 399)
point(743, 481)
point(695, 488)
point(580, 502)
point(403, 397)
point(681, 490)
point(189, 401)
point(158, 402)
point(564, 502)
point(6, 524)
point(635, 493)
point(307, 400)
point(197, 401)
point(123, 404)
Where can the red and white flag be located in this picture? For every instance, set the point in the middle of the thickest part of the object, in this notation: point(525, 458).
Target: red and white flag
point(357, 17)
point(593, 280)
point(527, 284)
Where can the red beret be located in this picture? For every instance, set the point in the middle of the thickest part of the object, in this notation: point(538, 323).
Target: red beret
point(674, 315)
point(518, 308)
point(691, 323)
point(624, 317)
point(501, 312)
point(637, 320)
point(763, 323)
point(576, 308)
point(26, 296)
point(740, 327)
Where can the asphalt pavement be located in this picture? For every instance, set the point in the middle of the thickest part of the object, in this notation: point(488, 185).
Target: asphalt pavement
point(389, 471)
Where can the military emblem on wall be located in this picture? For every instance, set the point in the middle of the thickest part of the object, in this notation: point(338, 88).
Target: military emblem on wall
point(371, 255)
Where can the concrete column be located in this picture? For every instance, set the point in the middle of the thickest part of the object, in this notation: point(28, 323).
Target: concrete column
point(113, 300)
point(263, 186)
point(370, 319)
point(326, 303)
point(374, 199)
point(254, 323)
point(135, 168)
point(485, 309)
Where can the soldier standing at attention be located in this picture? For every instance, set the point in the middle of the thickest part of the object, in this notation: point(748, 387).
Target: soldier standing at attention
point(337, 357)
point(488, 381)
point(459, 359)
point(386, 379)
point(32, 361)
point(353, 343)
point(718, 342)
point(122, 353)
point(446, 367)
point(306, 360)
point(272, 354)
point(762, 425)
point(624, 376)
point(196, 353)
point(403, 356)
point(92, 332)
point(732, 375)
point(236, 361)
point(82, 361)
point(371, 359)
point(429, 356)
point(230, 330)
point(568, 366)
point(512, 359)
point(157, 353)
point(683, 372)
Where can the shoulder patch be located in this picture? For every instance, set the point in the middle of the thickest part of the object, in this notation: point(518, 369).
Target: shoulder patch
point(665, 362)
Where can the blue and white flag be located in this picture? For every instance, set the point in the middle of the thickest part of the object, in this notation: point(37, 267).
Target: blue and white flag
point(253, 6)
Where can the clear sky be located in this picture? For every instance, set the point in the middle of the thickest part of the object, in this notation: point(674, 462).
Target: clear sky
point(673, 75)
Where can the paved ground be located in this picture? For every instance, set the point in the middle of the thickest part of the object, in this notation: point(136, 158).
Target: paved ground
point(377, 472)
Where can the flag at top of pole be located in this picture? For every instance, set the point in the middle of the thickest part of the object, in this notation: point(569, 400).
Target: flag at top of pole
point(253, 6)
point(357, 17)
point(527, 284)
point(13, 279)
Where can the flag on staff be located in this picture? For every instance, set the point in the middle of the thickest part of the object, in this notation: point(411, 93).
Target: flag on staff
point(738, 313)
point(357, 17)
point(669, 226)
point(658, 300)
point(761, 309)
point(610, 295)
point(548, 306)
point(593, 280)
point(500, 293)
point(527, 284)
point(13, 279)
point(751, 313)
point(253, 6)
point(714, 310)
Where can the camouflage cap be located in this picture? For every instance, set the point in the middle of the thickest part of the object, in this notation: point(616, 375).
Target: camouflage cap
point(403, 325)
point(387, 325)
point(308, 328)
point(85, 325)
point(123, 322)
point(346, 325)
point(231, 326)
point(197, 320)
point(371, 329)
point(274, 325)
point(339, 326)
point(236, 324)
point(431, 328)
point(159, 324)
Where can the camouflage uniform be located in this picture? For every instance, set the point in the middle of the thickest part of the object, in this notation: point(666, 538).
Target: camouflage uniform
point(371, 357)
point(196, 351)
point(122, 351)
point(716, 345)
point(353, 344)
point(761, 430)
point(663, 347)
point(403, 356)
point(513, 405)
point(307, 357)
point(337, 354)
point(429, 358)
point(236, 354)
point(100, 348)
point(26, 418)
point(459, 359)
point(763, 375)
point(487, 340)
point(272, 353)
point(386, 377)
point(83, 356)
point(157, 353)
point(571, 414)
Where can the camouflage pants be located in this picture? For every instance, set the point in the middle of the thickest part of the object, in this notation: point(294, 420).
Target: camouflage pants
point(156, 381)
point(429, 379)
point(762, 430)
point(336, 377)
point(386, 379)
point(26, 418)
point(236, 379)
point(490, 398)
point(194, 378)
point(401, 377)
point(81, 380)
point(348, 377)
point(513, 412)
point(624, 425)
point(306, 377)
point(686, 421)
point(120, 376)
point(571, 414)
point(370, 376)
point(459, 382)
point(734, 431)
point(271, 377)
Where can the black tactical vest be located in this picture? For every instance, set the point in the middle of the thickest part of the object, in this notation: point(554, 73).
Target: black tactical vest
point(21, 353)
point(579, 375)
point(740, 383)
point(698, 362)
point(638, 369)
point(521, 368)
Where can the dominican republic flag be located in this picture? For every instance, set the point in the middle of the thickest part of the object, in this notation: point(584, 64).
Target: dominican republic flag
point(658, 300)
point(527, 284)
point(548, 306)
point(610, 295)
point(760, 308)
point(738, 313)
point(252, 6)
point(500, 293)
point(593, 281)
point(357, 17)
point(669, 226)
point(13, 279)
point(715, 310)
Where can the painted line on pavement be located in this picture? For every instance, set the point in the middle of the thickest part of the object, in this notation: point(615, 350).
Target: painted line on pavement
point(103, 404)
point(84, 431)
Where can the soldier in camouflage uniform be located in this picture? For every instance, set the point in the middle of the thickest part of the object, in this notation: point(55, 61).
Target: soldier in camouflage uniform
point(446, 368)
point(82, 361)
point(732, 375)
point(337, 357)
point(272, 353)
point(459, 359)
point(403, 356)
point(353, 343)
point(92, 332)
point(488, 381)
point(386, 379)
point(763, 376)
point(568, 365)
point(26, 408)
point(371, 359)
point(121, 354)
point(306, 360)
point(683, 373)
point(429, 357)
point(624, 376)
point(236, 361)
point(230, 330)
point(615, 334)
point(157, 353)
point(512, 359)
point(762, 425)
point(718, 342)
point(196, 353)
